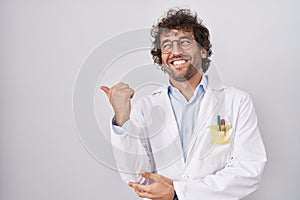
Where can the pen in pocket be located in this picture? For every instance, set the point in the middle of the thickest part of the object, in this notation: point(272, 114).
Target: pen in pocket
point(223, 126)
point(219, 122)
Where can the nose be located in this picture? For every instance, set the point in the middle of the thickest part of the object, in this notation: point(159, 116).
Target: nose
point(176, 50)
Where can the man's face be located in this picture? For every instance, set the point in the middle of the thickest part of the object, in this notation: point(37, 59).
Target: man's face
point(181, 55)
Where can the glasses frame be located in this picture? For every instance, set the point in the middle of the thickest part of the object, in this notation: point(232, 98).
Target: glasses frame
point(179, 44)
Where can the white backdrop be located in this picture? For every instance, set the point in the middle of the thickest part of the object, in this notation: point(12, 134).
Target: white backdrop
point(44, 43)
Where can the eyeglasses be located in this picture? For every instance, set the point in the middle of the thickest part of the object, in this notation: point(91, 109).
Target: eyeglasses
point(183, 43)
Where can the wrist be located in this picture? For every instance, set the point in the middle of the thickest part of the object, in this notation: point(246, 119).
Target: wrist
point(119, 121)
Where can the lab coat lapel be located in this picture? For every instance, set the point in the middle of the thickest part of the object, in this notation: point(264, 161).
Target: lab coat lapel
point(173, 127)
point(211, 98)
point(207, 108)
point(209, 103)
point(167, 144)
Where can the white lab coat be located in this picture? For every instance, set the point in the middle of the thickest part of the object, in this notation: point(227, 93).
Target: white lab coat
point(211, 171)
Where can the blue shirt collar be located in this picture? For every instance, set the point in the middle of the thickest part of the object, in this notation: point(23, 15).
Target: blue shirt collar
point(201, 88)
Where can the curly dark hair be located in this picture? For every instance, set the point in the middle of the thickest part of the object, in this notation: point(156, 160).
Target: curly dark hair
point(184, 20)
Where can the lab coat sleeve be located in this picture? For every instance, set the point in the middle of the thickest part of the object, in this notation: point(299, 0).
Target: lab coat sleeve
point(243, 171)
point(129, 150)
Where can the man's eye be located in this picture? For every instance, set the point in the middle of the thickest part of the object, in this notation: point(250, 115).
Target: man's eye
point(186, 42)
point(166, 45)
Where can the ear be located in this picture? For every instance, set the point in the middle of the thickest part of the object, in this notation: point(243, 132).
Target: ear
point(203, 53)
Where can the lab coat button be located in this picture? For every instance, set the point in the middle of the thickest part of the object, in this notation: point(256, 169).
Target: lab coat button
point(185, 177)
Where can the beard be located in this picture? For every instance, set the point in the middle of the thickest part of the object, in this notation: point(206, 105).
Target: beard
point(182, 76)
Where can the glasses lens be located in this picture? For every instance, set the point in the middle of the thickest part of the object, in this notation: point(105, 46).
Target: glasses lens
point(167, 47)
point(184, 44)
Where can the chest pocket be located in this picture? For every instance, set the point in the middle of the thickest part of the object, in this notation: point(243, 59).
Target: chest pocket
point(216, 151)
point(217, 143)
point(220, 134)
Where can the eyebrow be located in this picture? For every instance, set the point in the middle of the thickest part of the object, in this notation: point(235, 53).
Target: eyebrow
point(186, 37)
point(182, 37)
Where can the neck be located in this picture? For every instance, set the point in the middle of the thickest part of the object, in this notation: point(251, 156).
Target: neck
point(188, 87)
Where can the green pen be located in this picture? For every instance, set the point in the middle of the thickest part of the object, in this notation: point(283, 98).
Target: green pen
point(219, 122)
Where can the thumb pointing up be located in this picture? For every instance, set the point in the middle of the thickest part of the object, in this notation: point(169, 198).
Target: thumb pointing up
point(107, 92)
point(105, 89)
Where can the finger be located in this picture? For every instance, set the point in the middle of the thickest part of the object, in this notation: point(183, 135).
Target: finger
point(128, 91)
point(122, 85)
point(130, 184)
point(151, 176)
point(108, 92)
point(144, 194)
point(105, 89)
point(119, 87)
point(119, 84)
point(141, 193)
point(140, 187)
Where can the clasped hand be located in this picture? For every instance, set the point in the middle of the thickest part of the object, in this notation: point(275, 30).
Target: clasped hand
point(161, 189)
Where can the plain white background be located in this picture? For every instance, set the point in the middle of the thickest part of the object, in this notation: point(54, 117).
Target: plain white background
point(44, 43)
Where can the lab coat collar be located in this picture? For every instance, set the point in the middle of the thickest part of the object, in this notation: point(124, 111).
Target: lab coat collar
point(175, 93)
point(215, 81)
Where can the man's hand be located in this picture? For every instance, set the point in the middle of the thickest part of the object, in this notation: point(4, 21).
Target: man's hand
point(119, 97)
point(162, 189)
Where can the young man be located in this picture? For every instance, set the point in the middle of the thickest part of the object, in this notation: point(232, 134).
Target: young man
point(196, 138)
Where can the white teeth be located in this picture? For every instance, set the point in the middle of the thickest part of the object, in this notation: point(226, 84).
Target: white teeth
point(179, 62)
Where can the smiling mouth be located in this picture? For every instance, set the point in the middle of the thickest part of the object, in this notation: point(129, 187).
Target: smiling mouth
point(178, 63)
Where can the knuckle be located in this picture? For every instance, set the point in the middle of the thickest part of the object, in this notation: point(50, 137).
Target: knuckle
point(117, 92)
point(114, 92)
point(123, 93)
